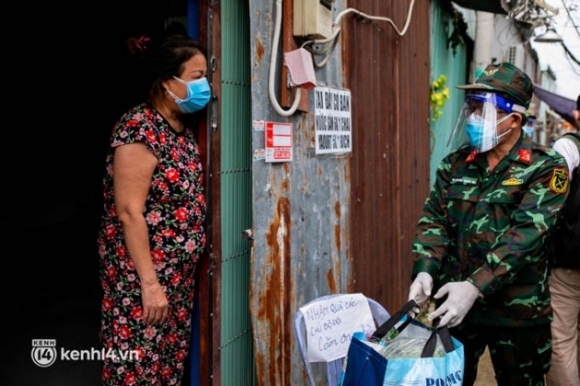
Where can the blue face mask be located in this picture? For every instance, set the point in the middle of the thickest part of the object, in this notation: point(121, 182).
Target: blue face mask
point(479, 134)
point(475, 132)
point(198, 94)
point(528, 130)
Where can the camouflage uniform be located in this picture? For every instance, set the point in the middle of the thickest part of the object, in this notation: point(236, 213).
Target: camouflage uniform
point(488, 227)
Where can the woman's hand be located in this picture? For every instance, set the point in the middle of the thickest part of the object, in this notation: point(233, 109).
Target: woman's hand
point(155, 304)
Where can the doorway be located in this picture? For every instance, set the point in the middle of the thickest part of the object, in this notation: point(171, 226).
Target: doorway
point(73, 79)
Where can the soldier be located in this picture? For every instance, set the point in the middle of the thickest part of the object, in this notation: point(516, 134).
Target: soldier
point(479, 241)
point(565, 270)
point(530, 125)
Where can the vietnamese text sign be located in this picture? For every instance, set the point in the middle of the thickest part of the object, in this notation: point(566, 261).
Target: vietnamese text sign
point(330, 324)
point(333, 121)
point(278, 142)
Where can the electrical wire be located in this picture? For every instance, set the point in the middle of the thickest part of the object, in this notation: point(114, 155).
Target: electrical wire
point(272, 75)
point(380, 18)
point(570, 17)
point(336, 28)
point(577, 72)
point(570, 54)
point(327, 50)
point(327, 56)
point(507, 31)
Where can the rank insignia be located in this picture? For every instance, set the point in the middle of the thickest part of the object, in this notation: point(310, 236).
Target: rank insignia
point(512, 182)
point(525, 155)
point(471, 156)
point(559, 181)
point(491, 72)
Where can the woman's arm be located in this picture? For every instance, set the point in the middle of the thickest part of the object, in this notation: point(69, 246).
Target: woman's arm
point(133, 168)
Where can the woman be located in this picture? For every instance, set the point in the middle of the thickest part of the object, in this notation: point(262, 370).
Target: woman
point(152, 231)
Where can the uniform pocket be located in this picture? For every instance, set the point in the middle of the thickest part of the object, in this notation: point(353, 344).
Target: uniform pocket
point(461, 204)
point(506, 195)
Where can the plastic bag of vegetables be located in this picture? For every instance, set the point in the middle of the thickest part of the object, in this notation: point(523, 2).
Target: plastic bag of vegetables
point(404, 351)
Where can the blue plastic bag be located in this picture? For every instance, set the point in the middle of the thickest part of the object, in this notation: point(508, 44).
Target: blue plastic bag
point(440, 361)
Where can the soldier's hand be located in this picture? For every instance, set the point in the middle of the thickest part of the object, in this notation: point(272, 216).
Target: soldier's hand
point(460, 298)
point(420, 290)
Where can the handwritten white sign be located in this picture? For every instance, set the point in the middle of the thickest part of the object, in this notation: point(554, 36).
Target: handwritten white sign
point(330, 324)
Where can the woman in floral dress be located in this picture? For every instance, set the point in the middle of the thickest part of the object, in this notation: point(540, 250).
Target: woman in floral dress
point(152, 233)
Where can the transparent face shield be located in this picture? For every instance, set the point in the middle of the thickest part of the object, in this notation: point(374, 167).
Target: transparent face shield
point(478, 120)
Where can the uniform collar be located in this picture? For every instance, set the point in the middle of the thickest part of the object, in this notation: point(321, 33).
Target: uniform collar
point(521, 152)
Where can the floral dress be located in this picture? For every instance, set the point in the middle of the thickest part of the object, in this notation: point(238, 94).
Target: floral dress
point(137, 354)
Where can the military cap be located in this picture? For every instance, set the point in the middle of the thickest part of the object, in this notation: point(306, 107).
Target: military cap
point(507, 79)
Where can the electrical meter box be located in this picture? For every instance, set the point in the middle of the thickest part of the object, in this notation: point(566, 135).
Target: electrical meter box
point(312, 18)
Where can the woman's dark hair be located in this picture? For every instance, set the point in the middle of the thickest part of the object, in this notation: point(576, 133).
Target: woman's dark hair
point(578, 103)
point(167, 59)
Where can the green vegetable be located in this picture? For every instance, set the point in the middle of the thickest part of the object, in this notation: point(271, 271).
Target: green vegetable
point(404, 347)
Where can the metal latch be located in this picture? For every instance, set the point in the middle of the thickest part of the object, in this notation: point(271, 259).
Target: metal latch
point(248, 234)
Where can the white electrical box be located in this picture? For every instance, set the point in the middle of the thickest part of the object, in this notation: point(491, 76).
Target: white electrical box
point(313, 18)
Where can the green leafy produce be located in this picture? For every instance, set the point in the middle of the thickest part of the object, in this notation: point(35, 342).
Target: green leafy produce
point(392, 334)
point(404, 347)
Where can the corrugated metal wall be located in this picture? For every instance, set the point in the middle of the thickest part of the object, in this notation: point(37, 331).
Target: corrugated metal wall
point(389, 79)
point(454, 67)
point(300, 211)
point(331, 224)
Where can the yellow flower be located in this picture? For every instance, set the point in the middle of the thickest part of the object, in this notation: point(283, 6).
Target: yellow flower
point(439, 94)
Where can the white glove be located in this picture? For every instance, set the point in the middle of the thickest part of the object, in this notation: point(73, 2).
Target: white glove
point(460, 298)
point(420, 289)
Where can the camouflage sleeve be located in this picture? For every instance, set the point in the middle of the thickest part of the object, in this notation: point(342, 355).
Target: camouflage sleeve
point(431, 233)
point(522, 243)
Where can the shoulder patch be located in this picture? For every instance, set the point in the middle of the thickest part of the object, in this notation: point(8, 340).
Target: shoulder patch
point(559, 180)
